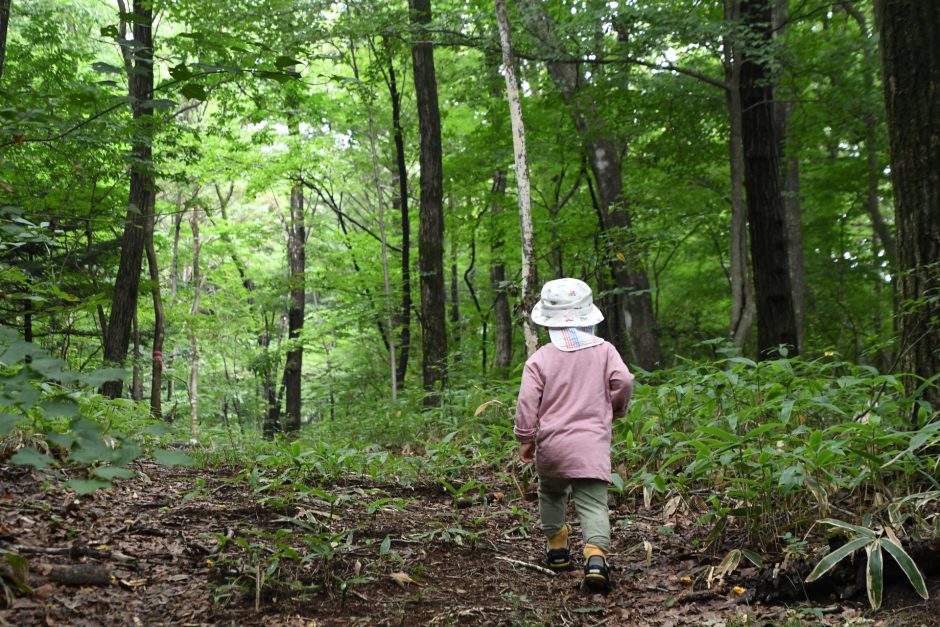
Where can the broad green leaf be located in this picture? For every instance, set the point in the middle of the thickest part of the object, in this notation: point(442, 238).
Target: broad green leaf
point(106, 68)
point(874, 574)
point(7, 422)
point(156, 429)
point(60, 407)
point(172, 458)
point(826, 563)
point(194, 90)
point(907, 565)
point(97, 377)
point(114, 472)
point(385, 546)
point(29, 456)
point(17, 570)
point(87, 486)
point(283, 62)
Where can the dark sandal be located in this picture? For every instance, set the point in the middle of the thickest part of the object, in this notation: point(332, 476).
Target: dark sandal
point(596, 573)
point(558, 559)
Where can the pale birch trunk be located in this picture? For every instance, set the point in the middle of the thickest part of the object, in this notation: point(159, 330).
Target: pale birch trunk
point(529, 275)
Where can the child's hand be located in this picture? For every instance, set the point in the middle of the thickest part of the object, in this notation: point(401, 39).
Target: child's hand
point(527, 452)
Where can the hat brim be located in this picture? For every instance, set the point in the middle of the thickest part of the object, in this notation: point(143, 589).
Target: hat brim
point(561, 318)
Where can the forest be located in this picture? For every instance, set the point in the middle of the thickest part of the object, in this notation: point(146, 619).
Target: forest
point(266, 270)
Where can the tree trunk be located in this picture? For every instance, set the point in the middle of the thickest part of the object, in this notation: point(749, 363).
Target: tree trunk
point(137, 385)
point(175, 268)
point(401, 202)
point(776, 322)
point(431, 229)
point(4, 24)
point(296, 236)
point(193, 313)
point(501, 314)
point(529, 267)
point(454, 296)
point(791, 186)
point(742, 290)
point(910, 37)
point(630, 320)
point(140, 200)
point(159, 323)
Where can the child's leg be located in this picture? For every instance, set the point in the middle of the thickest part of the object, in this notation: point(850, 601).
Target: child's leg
point(553, 504)
point(590, 500)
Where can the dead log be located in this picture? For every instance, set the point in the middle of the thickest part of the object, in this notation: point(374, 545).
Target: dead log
point(80, 575)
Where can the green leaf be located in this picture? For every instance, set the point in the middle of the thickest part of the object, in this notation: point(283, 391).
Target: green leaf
point(28, 456)
point(180, 72)
point(907, 565)
point(159, 104)
point(114, 472)
point(62, 407)
point(172, 458)
point(386, 546)
point(826, 563)
point(753, 557)
point(861, 531)
point(18, 570)
point(156, 429)
point(194, 90)
point(283, 62)
point(97, 377)
point(87, 486)
point(106, 68)
point(874, 574)
point(617, 480)
point(7, 422)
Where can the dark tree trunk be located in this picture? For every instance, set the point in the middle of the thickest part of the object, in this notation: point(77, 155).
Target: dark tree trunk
point(910, 36)
point(4, 24)
point(431, 228)
point(401, 203)
point(501, 313)
point(141, 198)
point(776, 322)
point(295, 315)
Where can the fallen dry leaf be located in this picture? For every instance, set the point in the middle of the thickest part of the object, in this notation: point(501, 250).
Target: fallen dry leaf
point(402, 578)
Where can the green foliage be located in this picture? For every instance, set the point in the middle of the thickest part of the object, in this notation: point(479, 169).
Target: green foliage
point(873, 541)
point(52, 417)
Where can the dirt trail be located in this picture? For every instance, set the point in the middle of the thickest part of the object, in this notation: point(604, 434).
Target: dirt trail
point(171, 551)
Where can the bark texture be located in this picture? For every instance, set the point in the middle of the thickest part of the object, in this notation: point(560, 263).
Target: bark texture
point(431, 228)
point(401, 204)
point(140, 200)
point(156, 372)
point(776, 322)
point(910, 36)
point(529, 264)
point(4, 25)
point(296, 236)
point(501, 314)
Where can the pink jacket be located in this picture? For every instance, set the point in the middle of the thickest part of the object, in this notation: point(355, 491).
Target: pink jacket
point(567, 403)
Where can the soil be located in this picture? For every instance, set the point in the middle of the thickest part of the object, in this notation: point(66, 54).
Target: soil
point(179, 546)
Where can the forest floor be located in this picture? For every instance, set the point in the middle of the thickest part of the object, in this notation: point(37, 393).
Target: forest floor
point(179, 546)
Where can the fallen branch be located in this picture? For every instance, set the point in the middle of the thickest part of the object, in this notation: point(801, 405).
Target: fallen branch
point(81, 575)
point(75, 552)
point(535, 567)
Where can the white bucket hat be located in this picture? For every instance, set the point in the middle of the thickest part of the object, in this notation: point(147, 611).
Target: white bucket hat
point(566, 303)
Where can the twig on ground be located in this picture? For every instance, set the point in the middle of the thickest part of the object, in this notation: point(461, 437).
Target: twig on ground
point(535, 567)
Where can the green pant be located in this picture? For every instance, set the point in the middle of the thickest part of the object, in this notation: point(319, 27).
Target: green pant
point(590, 501)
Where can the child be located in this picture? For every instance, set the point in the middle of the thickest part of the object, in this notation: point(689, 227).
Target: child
point(571, 391)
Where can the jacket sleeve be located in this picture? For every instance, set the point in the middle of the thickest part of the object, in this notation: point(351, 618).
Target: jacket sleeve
point(620, 380)
point(528, 403)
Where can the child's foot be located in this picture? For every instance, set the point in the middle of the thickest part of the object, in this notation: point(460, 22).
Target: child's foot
point(596, 573)
point(558, 559)
point(557, 555)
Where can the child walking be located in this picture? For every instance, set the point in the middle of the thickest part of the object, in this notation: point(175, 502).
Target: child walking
point(571, 390)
